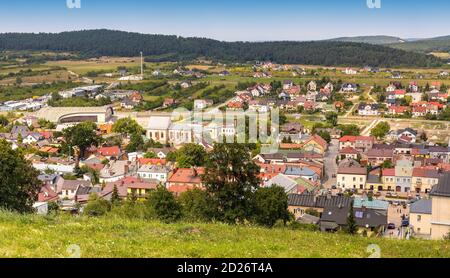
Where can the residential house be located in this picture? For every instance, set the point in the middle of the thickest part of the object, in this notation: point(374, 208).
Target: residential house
point(348, 152)
point(368, 109)
point(184, 179)
point(111, 153)
point(117, 170)
point(128, 187)
point(376, 157)
point(420, 215)
point(154, 172)
point(369, 220)
point(440, 211)
point(424, 179)
point(389, 180)
point(361, 143)
point(316, 144)
point(403, 175)
point(302, 172)
point(299, 204)
point(351, 177)
point(289, 185)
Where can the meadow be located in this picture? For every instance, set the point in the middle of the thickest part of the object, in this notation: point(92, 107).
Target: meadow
point(30, 236)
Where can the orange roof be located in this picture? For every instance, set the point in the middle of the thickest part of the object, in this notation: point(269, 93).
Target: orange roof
point(109, 151)
point(187, 175)
point(290, 146)
point(152, 161)
point(319, 140)
point(388, 172)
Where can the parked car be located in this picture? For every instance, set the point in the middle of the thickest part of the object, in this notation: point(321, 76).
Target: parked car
point(405, 223)
point(391, 226)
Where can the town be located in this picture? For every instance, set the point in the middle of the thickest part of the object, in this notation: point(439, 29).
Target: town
point(379, 153)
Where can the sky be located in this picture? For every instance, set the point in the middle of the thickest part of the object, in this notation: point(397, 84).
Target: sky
point(234, 20)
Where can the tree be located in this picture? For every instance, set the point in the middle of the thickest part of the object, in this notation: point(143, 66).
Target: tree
point(115, 198)
point(127, 126)
point(325, 135)
point(350, 130)
point(19, 185)
point(83, 136)
point(270, 204)
point(163, 205)
point(352, 227)
point(381, 130)
point(332, 118)
point(136, 143)
point(230, 178)
point(150, 155)
point(191, 155)
point(97, 206)
point(195, 206)
point(3, 121)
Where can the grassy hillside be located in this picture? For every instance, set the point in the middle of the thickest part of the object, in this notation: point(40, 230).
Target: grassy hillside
point(33, 236)
point(370, 39)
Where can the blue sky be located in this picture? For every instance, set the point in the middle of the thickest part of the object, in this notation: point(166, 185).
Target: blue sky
point(248, 20)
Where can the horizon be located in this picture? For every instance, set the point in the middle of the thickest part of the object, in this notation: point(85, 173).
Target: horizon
point(251, 20)
point(160, 34)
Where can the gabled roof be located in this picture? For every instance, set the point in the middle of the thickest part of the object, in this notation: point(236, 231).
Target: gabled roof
point(442, 189)
point(322, 201)
point(422, 206)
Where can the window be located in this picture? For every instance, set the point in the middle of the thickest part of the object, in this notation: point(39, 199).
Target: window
point(419, 218)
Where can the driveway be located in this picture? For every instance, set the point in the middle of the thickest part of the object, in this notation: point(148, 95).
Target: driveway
point(330, 164)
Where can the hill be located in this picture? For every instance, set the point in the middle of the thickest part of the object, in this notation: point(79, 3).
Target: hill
point(33, 236)
point(439, 44)
point(93, 43)
point(378, 40)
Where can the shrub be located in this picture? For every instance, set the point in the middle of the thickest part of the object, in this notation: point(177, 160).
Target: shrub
point(163, 205)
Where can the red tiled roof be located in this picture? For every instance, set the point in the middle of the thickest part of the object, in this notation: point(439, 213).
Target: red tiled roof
point(348, 150)
point(109, 151)
point(187, 175)
point(388, 172)
point(47, 194)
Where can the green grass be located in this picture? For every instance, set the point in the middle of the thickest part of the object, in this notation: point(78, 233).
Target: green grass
point(34, 236)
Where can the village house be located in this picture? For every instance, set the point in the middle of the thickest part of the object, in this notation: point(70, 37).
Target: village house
point(154, 172)
point(351, 177)
point(300, 204)
point(440, 215)
point(360, 143)
point(424, 179)
point(420, 218)
point(117, 170)
point(184, 179)
point(129, 187)
point(368, 109)
point(377, 157)
point(403, 175)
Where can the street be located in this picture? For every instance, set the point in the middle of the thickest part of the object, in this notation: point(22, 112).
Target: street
point(330, 164)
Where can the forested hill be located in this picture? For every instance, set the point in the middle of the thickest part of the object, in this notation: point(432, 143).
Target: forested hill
point(117, 43)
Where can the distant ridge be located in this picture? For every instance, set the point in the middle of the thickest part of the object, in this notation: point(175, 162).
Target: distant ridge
point(378, 40)
point(94, 43)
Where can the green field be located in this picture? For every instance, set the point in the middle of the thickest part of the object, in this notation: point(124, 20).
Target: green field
point(34, 236)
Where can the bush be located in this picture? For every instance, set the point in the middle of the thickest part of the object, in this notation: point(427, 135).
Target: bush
point(195, 205)
point(270, 205)
point(131, 210)
point(97, 206)
point(163, 205)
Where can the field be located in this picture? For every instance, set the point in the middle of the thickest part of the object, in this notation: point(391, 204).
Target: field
point(49, 237)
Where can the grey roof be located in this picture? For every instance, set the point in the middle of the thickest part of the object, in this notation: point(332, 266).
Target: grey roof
point(322, 201)
point(159, 123)
point(422, 206)
point(300, 171)
point(363, 217)
point(442, 189)
point(283, 181)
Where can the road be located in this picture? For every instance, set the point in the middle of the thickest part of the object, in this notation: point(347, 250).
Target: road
point(330, 164)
